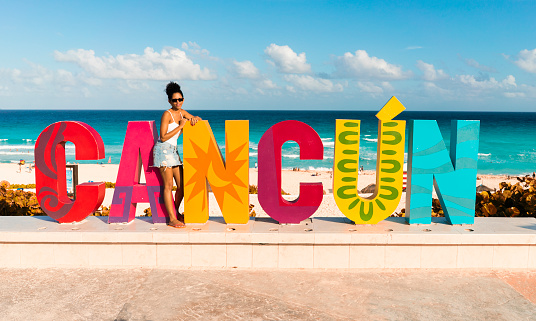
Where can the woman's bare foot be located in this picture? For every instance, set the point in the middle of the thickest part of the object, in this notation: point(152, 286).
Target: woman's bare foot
point(176, 224)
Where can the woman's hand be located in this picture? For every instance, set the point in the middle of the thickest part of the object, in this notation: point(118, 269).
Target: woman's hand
point(194, 120)
point(182, 122)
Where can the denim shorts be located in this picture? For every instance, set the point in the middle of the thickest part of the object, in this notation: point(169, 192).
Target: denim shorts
point(165, 155)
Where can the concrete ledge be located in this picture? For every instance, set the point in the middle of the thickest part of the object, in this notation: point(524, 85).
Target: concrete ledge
point(262, 243)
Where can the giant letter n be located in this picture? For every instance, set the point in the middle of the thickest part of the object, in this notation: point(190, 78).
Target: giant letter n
point(454, 176)
point(229, 180)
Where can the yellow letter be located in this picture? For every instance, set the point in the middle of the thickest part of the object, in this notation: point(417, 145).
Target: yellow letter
point(389, 166)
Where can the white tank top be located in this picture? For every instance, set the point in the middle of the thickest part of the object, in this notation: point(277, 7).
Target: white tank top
point(172, 126)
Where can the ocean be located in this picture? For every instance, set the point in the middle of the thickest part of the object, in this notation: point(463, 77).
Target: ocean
point(507, 140)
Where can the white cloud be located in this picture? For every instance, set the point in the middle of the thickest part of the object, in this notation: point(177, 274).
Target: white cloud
point(246, 69)
point(92, 81)
point(413, 47)
point(40, 78)
point(475, 64)
point(86, 92)
point(137, 85)
point(430, 73)
point(308, 83)
point(509, 81)
point(291, 89)
point(374, 89)
point(369, 87)
point(432, 88)
point(482, 87)
point(170, 64)
point(527, 60)
point(48, 84)
point(514, 94)
point(194, 49)
point(387, 86)
point(65, 77)
point(267, 84)
point(286, 60)
point(240, 91)
point(491, 83)
point(4, 91)
point(361, 65)
point(529, 90)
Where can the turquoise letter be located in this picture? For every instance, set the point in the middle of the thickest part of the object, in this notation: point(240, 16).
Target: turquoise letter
point(429, 161)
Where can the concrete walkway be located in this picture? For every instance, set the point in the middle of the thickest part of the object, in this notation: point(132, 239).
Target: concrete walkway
point(235, 294)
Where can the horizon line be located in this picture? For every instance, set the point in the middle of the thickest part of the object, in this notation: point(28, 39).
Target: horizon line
point(307, 110)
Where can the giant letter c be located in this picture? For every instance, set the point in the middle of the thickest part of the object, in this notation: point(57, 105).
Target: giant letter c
point(51, 185)
point(311, 194)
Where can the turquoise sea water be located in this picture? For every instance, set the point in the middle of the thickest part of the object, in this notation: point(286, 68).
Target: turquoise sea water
point(507, 140)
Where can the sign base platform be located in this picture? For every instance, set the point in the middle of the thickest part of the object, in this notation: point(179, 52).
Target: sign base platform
point(319, 242)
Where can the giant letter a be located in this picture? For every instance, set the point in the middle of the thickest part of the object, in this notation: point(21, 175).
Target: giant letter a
point(137, 151)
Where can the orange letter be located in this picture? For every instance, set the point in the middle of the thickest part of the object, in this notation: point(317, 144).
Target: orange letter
point(229, 180)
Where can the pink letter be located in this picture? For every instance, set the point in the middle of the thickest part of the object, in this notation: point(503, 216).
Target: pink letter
point(50, 177)
point(137, 151)
point(311, 194)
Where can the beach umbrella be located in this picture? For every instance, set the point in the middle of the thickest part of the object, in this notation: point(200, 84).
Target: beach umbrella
point(483, 188)
point(369, 189)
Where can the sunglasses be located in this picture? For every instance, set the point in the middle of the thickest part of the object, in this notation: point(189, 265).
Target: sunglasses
point(177, 100)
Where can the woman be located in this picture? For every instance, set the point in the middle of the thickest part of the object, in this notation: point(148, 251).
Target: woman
point(165, 154)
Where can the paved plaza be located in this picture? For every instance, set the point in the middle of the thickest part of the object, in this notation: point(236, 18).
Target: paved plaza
point(255, 294)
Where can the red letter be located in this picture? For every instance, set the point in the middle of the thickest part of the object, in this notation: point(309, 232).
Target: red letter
point(311, 194)
point(137, 150)
point(50, 177)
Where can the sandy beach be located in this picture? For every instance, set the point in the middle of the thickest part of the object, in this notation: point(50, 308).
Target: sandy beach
point(290, 184)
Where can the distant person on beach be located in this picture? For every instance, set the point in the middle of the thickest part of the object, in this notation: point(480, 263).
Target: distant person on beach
point(21, 162)
point(165, 154)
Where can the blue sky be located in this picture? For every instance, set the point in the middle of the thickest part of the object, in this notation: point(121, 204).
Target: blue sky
point(342, 55)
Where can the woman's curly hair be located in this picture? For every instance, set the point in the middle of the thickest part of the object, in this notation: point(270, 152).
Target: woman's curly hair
point(172, 88)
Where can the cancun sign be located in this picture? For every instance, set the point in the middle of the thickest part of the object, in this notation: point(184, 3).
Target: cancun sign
point(429, 165)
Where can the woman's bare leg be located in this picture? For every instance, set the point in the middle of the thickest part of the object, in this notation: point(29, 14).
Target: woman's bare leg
point(167, 177)
point(179, 194)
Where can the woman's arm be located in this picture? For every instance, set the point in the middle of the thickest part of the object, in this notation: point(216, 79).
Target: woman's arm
point(164, 123)
point(190, 117)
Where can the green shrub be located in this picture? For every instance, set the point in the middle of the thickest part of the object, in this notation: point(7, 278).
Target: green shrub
point(509, 201)
point(18, 203)
point(518, 200)
point(25, 186)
